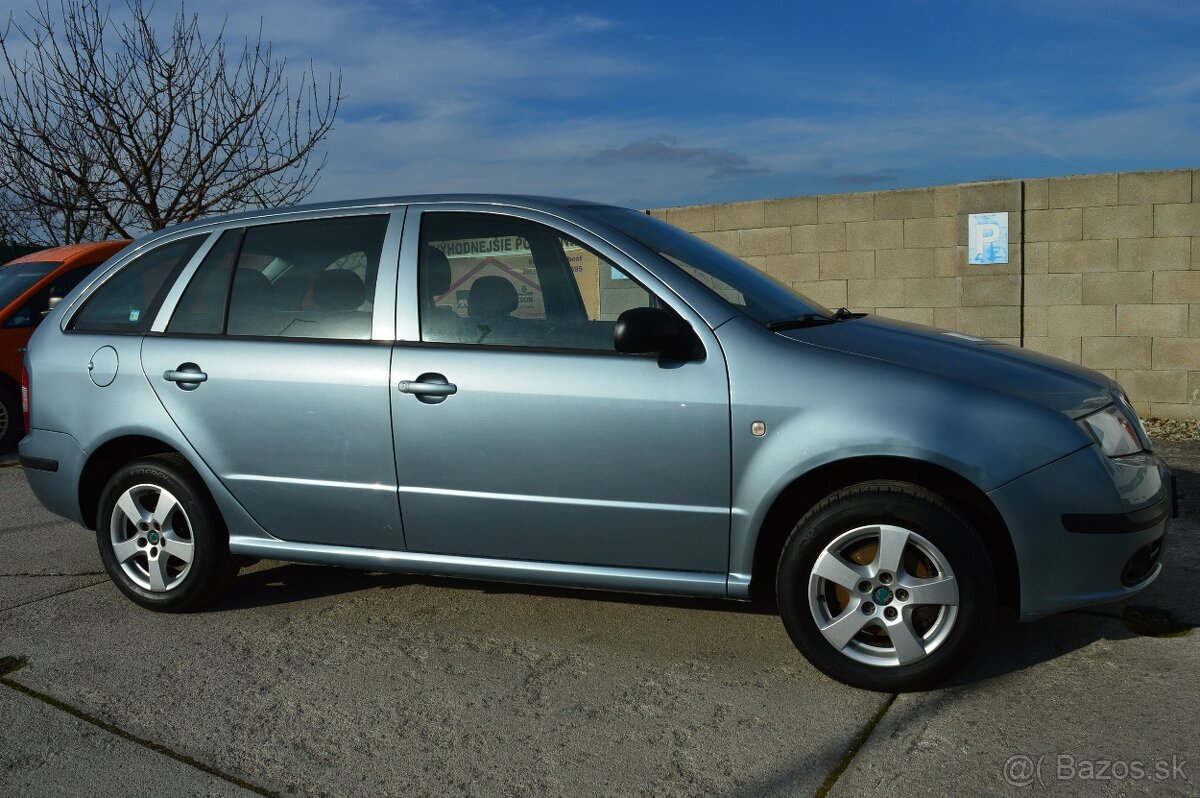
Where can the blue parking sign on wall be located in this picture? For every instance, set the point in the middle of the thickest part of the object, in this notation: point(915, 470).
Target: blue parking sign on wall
point(987, 238)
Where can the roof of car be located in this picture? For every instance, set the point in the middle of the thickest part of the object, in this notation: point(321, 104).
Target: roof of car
point(60, 254)
point(522, 200)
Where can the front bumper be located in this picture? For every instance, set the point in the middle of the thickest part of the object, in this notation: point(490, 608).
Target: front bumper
point(1087, 528)
point(53, 463)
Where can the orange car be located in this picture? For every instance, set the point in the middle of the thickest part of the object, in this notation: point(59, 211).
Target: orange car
point(30, 287)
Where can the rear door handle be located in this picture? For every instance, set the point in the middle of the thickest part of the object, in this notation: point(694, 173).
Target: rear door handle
point(429, 388)
point(188, 376)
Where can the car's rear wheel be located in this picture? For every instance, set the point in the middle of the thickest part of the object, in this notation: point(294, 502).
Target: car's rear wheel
point(883, 585)
point(10, 419)
point(161, 539)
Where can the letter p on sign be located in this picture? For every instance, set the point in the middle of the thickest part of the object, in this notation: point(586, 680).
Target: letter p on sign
point(987, 238)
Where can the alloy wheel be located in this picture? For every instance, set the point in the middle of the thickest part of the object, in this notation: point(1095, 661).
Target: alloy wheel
point(152, 538)
point(883, 595)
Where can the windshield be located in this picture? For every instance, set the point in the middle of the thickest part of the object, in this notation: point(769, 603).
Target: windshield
point(20, 277)
point(760, 297)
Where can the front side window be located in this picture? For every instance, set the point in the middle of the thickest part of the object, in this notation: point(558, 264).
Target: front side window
point(309, 279)
point(503, 281)
point(128, 300)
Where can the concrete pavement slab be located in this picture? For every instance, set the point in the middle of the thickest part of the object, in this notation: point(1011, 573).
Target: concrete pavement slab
point(1071, 693)
point(46, 752)
point(1064, 698)
point(35, 541)
point(319, 681)
point(315, 681)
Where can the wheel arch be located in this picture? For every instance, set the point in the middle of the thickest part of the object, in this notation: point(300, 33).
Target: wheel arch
point(104, 462)
point(806, 490)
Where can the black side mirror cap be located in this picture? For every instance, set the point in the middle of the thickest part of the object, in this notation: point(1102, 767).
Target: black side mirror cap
point(644, 331)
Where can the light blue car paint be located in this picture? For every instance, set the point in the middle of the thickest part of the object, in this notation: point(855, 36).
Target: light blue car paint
point(634, 474)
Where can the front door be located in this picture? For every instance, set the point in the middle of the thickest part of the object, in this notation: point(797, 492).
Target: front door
point(521, 433)
point(269, 368)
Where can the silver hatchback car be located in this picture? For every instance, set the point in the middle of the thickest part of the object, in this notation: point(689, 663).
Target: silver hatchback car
point(558, 392)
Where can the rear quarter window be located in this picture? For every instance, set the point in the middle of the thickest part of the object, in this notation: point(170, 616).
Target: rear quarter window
point(127, 301)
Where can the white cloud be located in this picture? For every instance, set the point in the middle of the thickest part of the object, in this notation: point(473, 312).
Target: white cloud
point(457, 97)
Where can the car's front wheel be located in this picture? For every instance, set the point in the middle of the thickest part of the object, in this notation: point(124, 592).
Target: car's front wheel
point(883, 585)
point(161, 539)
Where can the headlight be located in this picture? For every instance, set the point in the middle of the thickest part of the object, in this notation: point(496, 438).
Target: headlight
point(1124, 404)
point(1113, 431)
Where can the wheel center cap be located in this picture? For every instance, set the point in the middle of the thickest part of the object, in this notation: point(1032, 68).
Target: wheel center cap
point(153, 538)
point(882, 595)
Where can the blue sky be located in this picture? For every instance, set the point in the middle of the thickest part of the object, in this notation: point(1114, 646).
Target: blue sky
point(649, 104)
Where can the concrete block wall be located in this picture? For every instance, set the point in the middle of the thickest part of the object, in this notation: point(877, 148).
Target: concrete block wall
point(1103, 270)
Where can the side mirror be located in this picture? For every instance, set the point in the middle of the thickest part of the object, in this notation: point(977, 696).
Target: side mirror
point(51, 304)
point(642, 331)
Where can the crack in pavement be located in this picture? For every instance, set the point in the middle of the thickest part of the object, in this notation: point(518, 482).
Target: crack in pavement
point(856, 746)
point(52, 595)
point(54, 573)
point(10, 665)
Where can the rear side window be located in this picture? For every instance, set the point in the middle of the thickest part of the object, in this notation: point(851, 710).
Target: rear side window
point(309, 279)
point(128, 300)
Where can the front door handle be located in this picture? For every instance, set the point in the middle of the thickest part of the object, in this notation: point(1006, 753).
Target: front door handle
point(188, 376)
point(429, 388)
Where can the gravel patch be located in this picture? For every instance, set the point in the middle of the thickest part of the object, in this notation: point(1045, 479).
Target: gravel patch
point(1172, 430)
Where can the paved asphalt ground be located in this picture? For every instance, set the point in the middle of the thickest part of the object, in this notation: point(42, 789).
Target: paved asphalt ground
point(319, 681)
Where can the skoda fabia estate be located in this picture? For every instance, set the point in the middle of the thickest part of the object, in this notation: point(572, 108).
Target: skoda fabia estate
point(558, 392)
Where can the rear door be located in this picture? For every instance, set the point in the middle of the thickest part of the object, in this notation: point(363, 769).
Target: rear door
point(551, 446)
point(275, 365)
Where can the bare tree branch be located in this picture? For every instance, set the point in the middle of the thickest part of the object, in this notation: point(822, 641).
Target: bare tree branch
point(110, 127)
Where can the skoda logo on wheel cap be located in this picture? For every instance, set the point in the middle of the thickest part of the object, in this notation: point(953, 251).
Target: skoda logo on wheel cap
point(152, 537)
point(882, 595)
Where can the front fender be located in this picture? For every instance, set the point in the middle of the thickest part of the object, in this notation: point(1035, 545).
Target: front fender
point(821, 406)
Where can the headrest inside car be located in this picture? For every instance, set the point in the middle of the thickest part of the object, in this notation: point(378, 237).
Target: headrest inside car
point(435, 272)
point(491, 296)
point(338, 289)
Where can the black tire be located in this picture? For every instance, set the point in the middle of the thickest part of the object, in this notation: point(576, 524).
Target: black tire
point(12, 421)
point(932, 519)
point(187, 585)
